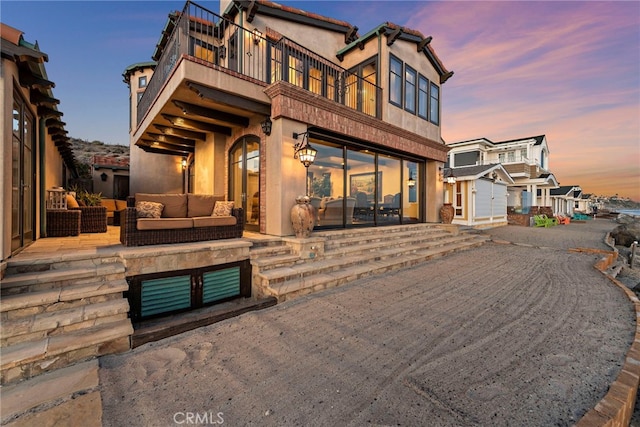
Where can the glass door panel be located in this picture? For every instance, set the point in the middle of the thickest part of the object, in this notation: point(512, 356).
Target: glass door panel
point(390, 173)
point(364, 186)
point(326, 184)
point(411, 197)
point(244, 180)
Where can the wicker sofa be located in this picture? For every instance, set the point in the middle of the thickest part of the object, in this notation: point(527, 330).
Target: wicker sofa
point(185, 218)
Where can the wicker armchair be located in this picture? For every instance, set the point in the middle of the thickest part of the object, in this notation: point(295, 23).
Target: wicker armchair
point(93, 219)
point(63, 223)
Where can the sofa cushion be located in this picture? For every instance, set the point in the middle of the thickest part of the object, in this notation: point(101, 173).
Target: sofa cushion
point(212, 221)
point(72, 202)
point(109, 203)
point(121, 204)
point(201, 204)
point(175, 205)
point(222, 208)
point(149, 209)
point(163, 223)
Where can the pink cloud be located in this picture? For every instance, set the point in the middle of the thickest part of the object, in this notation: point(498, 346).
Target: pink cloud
point(568, 70)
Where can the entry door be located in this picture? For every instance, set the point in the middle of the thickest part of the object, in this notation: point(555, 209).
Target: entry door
point(23, 172)
point(244, 185)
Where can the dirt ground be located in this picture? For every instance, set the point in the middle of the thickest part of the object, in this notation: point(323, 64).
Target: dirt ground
point(525, 334)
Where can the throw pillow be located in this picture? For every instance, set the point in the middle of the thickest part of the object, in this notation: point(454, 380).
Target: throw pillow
point(222, 208)
point(149, 209)
point(72, 202)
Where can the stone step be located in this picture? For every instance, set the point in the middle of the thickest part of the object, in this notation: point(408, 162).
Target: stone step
point(79, 259)
point(17, 302)
point(373, 244)
point(28, 359)
point(43, 391)
point(301, 285)
point(367, 231)
point(59, 278)
point(40, 325)
point(354, 255)
point(269, 251)
point(359, 239)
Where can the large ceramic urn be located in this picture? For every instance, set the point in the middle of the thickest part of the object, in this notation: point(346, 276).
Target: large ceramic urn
point(303, 216)
point(446, 213)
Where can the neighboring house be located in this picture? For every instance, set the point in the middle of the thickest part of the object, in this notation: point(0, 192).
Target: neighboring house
point(110, 176)
point(567, 199)
point(478, 194)
point(225, 101)
point(526, 160)
point(36, 154)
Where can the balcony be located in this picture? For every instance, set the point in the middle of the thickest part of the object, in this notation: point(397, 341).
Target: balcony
point(202, 36)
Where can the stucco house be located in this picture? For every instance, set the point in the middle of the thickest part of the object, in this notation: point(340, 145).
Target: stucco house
point(36, 153)
point(526, 160)
point(230, 98)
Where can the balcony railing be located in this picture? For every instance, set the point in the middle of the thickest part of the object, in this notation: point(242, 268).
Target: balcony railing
point(213, 39)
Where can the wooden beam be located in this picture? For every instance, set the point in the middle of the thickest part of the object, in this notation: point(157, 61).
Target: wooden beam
point(251, 11)
point(168, 130)
point(391, 38)
point(165, 146)
point(225, 98)
point(424, 42)
point(227, 118)
point(171, 139)
point(351, 35)
point(197, 125)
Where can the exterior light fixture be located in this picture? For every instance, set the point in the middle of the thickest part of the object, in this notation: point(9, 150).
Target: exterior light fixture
point(103, 176)
point(257, 35)
point(303, 150)
point(451, 180)
point(411, 182)
point(184, 163)
point(266, 126)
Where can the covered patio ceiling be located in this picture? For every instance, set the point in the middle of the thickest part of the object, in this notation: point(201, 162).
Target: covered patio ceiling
point(191, 112)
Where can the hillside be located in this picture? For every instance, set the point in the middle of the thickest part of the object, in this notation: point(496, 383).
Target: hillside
point(83, 151)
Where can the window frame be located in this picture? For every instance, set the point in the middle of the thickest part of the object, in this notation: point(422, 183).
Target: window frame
point(400, 96)
point(435, 121)
point(409, 91)
point(422, 78)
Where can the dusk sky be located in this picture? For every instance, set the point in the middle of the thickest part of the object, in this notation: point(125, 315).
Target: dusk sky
point(568, 70)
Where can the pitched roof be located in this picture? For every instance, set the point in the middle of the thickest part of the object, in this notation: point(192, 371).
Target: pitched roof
point(477, 171)
point(396, 32)
point(564, 190)
point(538, 139)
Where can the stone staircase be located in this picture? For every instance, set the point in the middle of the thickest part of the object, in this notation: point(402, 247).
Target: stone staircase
point(331, 258)
point(58, 312)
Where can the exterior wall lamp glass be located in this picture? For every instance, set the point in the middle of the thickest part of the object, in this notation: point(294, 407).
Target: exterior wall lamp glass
point(103, 176)
point(266, 126)
point(303, 150)
point(411, 182)
point(257, 35)
point(184, 163)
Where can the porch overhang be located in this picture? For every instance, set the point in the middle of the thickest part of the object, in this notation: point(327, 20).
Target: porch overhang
point(186, 110)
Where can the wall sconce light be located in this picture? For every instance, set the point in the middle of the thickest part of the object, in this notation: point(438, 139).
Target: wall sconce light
point(448, 174)
point(411, 182)
point(257, 35)
point(266, 126)
point(104, 176)
point(451, 180)
point(303, 150)
point(184, 163)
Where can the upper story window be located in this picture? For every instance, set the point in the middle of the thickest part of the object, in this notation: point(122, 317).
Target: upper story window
point(523, 154)
point(511, 156)
point(395, 81)
point(434, 105)
point(423, 96)
point(142, 81)
point(412, 91)
point(410, 77)
point(543, 164)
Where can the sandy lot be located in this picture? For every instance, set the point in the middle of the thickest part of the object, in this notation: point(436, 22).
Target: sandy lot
point(527, 335)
